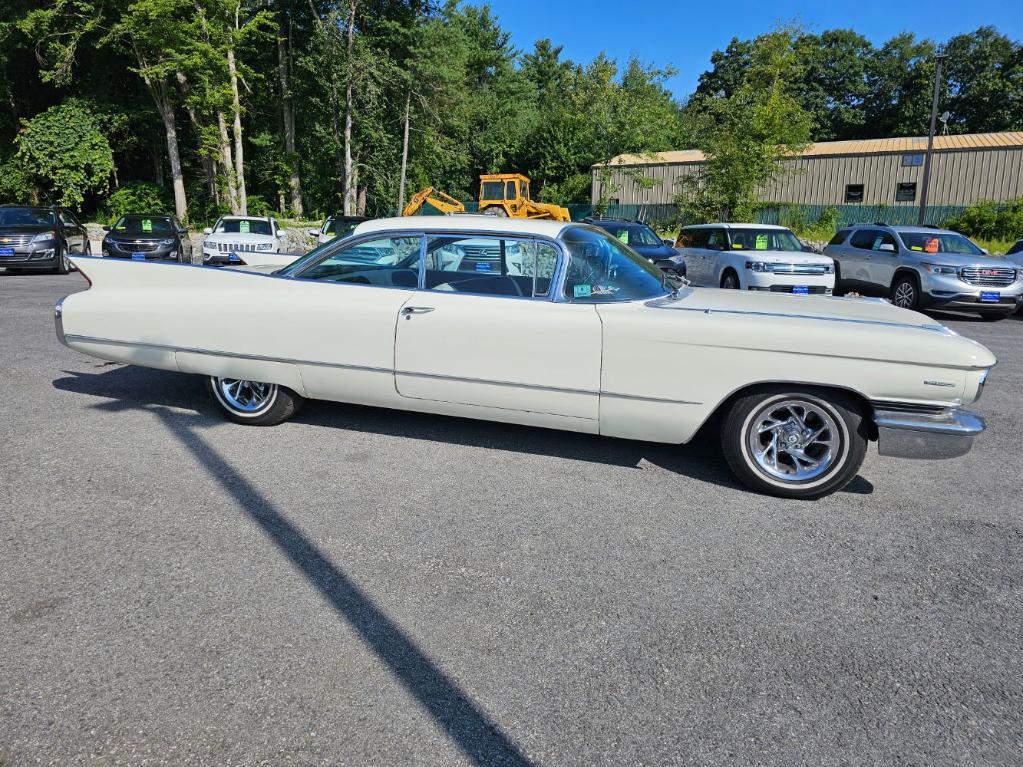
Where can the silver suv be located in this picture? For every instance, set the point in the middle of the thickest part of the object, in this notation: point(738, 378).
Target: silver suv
point(922, 267)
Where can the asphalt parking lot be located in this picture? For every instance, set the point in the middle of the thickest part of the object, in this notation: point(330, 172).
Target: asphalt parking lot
point(364, 587)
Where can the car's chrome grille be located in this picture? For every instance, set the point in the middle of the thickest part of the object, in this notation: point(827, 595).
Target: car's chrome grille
point(988, 276)
point(13, 240)
point(800, 268)
point(813, 290)
point(480, 254)
point(236, 247)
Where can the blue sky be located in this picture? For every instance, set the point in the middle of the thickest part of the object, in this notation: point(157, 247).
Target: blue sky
point(684, 34)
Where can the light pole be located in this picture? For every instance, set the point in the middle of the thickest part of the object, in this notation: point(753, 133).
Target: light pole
point(939, 57)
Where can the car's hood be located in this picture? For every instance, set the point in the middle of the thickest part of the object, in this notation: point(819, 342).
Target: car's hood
point(784, 256)
point(654, 251)
point(238, 237)
point(858, 328)
point(955, 259)
point(24, 229)
point(1015, 259)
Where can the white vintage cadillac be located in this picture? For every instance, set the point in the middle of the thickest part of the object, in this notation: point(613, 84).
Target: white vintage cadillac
point(582, 335)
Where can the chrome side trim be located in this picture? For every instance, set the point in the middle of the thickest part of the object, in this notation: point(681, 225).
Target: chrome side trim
point(372, 369)
point(662, 303)
point(232, 355)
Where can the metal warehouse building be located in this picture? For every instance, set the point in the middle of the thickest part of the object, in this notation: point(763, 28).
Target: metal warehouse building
point(966, 168)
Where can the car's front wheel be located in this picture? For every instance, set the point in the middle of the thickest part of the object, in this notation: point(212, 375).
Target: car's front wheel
point(794, 443)
point(905, 292)
point(730, 280)
point(63, 263)
point(253, 402)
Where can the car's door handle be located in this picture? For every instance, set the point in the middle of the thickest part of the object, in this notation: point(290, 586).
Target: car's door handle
point(408, 311)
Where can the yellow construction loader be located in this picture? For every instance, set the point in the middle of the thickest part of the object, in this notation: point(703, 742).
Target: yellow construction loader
point(501, 194)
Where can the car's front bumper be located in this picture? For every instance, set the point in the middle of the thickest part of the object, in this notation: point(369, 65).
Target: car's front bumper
point(950, 292)
point(162, 253)
point(815, 284)
point(32, 258)
point(948, 434)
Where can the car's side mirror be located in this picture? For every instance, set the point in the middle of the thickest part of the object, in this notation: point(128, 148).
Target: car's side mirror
point(887, 247)
point(808, 249)
point(669, 243)
point(984, 251)
point(207, 230)
point(313, 232)
point(106, 228)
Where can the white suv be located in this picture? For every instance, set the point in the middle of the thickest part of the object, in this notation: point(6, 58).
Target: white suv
point(753, 257)
point(234, 236)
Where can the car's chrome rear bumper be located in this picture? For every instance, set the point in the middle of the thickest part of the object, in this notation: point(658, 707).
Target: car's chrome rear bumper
point(58, 320)
point(948, 434)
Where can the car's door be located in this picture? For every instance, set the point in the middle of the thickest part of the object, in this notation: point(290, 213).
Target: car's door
point(482, 334)
point(884, 257)
point(74, 232)
point(717, 246)
point(694, 244)
point(856, 259)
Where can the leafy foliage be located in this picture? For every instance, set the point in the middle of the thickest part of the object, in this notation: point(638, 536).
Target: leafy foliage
point(64, 153)
point(137, 197)
point(990, 220)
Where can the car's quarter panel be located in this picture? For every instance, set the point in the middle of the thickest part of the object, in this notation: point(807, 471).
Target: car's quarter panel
point(667, 365)
point(502, 352)
point(326, 340)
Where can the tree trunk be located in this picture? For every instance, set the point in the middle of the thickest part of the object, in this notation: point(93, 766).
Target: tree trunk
point(404, 156)
point(350, 190)
point(239, 157)
point(288, 116)
point(226, 159)
point(208, 165)
point(360, 207)
point(177, 177)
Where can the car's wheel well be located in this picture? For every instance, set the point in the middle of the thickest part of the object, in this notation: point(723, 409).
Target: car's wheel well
point(725, 272)
point(861, 402)
point(905, 272)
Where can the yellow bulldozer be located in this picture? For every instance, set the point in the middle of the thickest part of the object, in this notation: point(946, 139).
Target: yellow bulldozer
point(501, 194)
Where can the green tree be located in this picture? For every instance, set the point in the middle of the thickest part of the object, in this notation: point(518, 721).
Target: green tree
point(984, 76)
point(747, 136)
point(64, 154)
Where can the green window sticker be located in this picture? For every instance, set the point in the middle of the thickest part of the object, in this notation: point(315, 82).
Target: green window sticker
point(581, 291)
point(243, 227)
point(761, 242)
point(147, 225)
point(623, 235)
point(877, 242)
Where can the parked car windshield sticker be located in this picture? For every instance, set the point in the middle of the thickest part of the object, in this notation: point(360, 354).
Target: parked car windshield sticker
point(761, 242)
point(931, 246)
point(243, 227)
point(623, 235)
point(877, 242)
point(147, 225)
point(581, 291)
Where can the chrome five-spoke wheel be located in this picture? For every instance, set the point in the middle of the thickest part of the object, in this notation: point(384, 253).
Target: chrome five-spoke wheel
point(253, 402)
point(793, 440)
point(794, 443)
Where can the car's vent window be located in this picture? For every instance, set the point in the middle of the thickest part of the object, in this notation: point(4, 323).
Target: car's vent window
point(388, 262)
point(494, 266)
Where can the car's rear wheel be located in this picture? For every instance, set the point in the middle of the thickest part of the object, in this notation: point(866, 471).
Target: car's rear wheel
point(730, 280)
point(794, 442)
point(253, 402)
point(905, 292)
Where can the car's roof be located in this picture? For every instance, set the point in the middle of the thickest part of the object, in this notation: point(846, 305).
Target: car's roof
point(739, 226)
point(901, 228)
point(468, 222)
point(616, 222)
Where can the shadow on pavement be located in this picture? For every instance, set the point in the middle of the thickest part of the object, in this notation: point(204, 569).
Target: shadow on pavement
point(478, 737)
point(700, 459)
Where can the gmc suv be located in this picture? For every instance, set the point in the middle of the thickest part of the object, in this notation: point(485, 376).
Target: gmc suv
point(922, 267)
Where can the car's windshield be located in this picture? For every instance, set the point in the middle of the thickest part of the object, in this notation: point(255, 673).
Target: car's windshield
point(764, 239)
point(243, 226)
point(144, 224)
point(26, 217)
point(602, 268)
point(633, 234)
point(940, 242)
